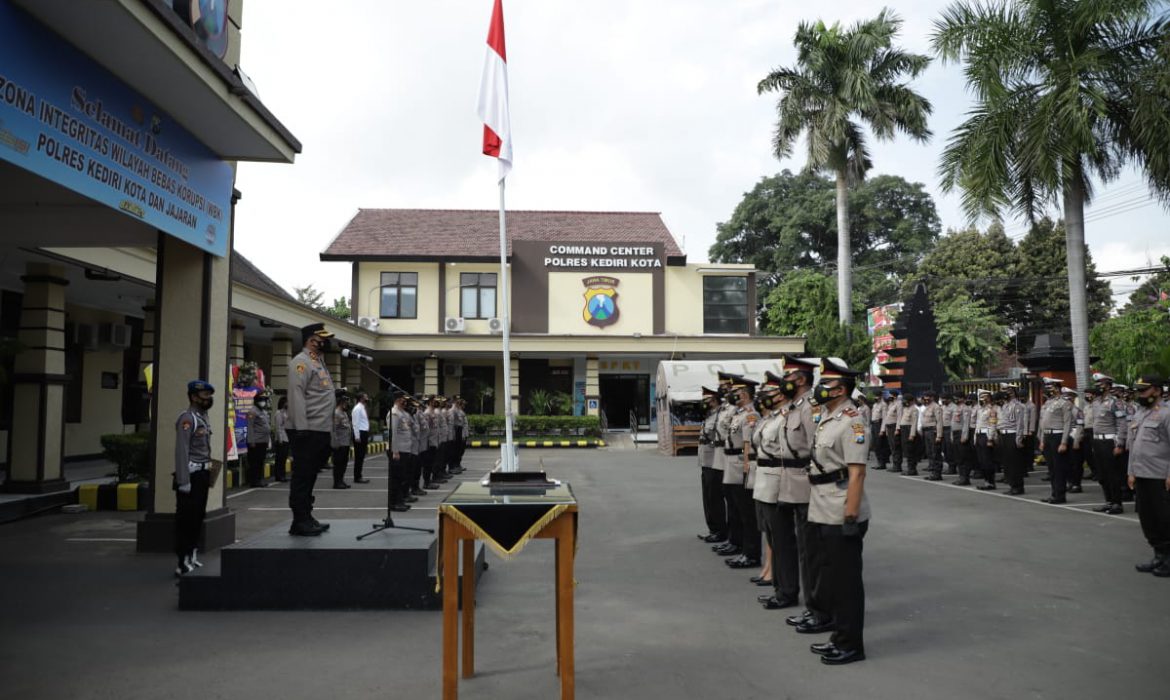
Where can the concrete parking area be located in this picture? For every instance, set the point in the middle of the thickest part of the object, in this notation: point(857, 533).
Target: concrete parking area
point(970, 595)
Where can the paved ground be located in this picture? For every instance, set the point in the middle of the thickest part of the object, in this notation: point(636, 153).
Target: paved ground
point(970, 595)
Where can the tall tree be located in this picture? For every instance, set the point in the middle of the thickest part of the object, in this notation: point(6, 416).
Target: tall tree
point(788, 222)
point(842, 79)
point(969, 336)
point(1134, 343)
point(310, 296)
point(1152, 291)
point(1062, 96)
point(973, 265)
point(803, 304)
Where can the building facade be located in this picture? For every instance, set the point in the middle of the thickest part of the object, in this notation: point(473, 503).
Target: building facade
point(596, 300)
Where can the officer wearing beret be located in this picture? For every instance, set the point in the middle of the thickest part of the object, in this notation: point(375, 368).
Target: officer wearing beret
point(192, 472)
point(311, 403)
point(839, 511)
point(711, 481)
point(1149, 471)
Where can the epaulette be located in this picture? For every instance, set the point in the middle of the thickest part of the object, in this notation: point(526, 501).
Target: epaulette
point(851, 412)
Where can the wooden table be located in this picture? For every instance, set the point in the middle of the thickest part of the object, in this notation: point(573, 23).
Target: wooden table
point(456, 538)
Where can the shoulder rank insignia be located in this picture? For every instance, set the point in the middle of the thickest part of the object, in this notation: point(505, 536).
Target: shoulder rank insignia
point(186, 425)
point(851, 412)
point(752, 418)
point(300, 368)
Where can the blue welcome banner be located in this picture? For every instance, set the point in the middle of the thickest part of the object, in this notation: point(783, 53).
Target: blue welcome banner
point(69, 120)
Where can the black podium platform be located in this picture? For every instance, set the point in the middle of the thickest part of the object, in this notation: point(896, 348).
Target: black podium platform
point(392, 569)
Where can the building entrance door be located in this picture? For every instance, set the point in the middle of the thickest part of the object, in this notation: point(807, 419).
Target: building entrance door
point(622, 394)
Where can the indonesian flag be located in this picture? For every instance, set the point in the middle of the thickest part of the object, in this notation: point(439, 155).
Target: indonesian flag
point(493, 95)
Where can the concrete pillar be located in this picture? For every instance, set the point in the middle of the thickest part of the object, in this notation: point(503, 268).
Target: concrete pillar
point(192, 325)
point(333, 362)
point(592, 388)
point(431, 376)
point(282, 352)
point(36, 443)
point(236, 345)
point(146, 357)
point(353, 375)
point(515, 379)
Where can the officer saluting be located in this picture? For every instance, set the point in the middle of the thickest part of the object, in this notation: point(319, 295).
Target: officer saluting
point(311, 403)
point(839, 510)
point(192, 473)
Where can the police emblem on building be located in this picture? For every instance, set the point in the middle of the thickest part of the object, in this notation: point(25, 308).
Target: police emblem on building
point(600, 301)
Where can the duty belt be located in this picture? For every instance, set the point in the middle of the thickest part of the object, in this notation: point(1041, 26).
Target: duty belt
point(197, 466)
point(798, 463)
point(828, 477)
point(1007, 432)
point(769, 462)
point(1053, 432)
point(733, 451)
point(1110, 436)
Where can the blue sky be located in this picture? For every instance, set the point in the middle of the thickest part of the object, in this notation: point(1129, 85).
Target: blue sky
point(616, 105)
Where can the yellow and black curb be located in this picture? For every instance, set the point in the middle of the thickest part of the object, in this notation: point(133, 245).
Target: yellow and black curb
point(124, 497)
point(587, 442)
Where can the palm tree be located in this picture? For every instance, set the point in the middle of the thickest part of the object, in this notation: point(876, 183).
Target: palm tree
point(1065, 91)
point(844, 77)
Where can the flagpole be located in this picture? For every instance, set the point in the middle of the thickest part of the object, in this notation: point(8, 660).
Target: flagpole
point(507, 463)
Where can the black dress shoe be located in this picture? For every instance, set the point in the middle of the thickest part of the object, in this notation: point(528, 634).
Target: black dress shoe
point(1162, 570)
point(961, 482)
point(744, 563)
point(1016, 492)
point(431, 486)
point(411, 499)
point(318, 524)
point(1053, 500)
point(932, 477)
point(1115, 509)
point(811, 626)
point(728, 551)
point(794, 620)
point(1103, 509)
point(779, 603)
point(764, 598)
point(305, 529)
point(823, 648)
point(1075, 489)
point(1046, 477)
point(716, 538)
point(843, 657)
point(764, 582)
point(341, 485)
point(950, 472)
point(986, 487)
point(911, 472)
point(416, 491)
point(757, 579)
point(1149, 566)
point(361, 481)
point(399, 507)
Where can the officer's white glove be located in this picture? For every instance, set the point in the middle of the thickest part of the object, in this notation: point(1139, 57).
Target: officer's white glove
point(185, 488)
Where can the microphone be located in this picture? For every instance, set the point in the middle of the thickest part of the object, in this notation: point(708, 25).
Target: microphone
point(354, 354)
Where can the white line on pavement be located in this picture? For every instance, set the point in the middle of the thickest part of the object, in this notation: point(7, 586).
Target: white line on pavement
point(100, 539)
point(340, 508)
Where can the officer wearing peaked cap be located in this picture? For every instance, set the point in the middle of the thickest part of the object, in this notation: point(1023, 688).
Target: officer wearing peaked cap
point(311, 403)
point(714, 510)
point(1149, 471)
point(722, 429)
point(839, 511)
point(738, 479)
point(767, 440)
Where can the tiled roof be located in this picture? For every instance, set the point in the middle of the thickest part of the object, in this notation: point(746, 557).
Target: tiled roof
point(247, 274)
point(462, 233)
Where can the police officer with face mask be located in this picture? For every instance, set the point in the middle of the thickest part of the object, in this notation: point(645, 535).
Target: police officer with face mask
point(192, 473)
point(311, 403)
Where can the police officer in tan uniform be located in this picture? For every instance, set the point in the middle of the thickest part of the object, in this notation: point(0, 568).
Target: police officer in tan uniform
point(839, 511)
point(714, 510)
point(311, 403)
point(738, 476)
point(1149, 470)
point(733, 545)
point(1056, 422)
point(906, 445)
point(767, 440)
point(931, 419)
point(1110, 435)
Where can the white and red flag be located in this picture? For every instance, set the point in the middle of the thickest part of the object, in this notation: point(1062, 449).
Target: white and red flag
point(493, 95)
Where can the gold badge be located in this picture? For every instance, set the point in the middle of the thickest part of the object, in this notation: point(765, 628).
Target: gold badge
point(301, 368)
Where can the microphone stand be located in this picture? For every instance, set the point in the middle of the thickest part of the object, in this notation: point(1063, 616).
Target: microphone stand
point(387, 522)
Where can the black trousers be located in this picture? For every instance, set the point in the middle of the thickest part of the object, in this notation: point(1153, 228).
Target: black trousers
point(190, 509)
point(400, 470)
point(746, 508)
point(255, 458)
point(767, 518)
point(1110, 469)
point(441, 456)
point(898, 444)
point(340, 462)
point(310, 453)
point(1058, 464)
point(1010, 457)
point(280, 463)
point(983, 448)
point(847, 590)
point(880, 443)
point(458, 447)
point(793, 572)
point(714, 509)
point(730, 501)
point(1153, 504)
point(966, 451)
point(1090, 457)
point(817, 599)
point(359, 452)
point(426, 461)
point(929, 437)
point(1076, 463)
point(949, 454)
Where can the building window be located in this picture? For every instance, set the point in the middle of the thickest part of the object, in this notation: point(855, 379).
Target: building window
point(725, 305)
point(399, 295)
point(477, 297)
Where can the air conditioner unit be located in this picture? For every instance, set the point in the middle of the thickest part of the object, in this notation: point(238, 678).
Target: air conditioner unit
point(453, 369)
point(369, 323)
point(454, 324)
point(496, 325)
point(116, 335)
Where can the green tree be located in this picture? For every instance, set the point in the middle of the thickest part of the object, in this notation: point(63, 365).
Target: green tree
point(788, 222)
point(970, 336)
point(1134, 343)
point(310, 296)
point(1043, 297)
point(1063, 94)
point(842, 79)
point(973, 265)
point(1150, 292)
point(805, 303)
point(340, 309)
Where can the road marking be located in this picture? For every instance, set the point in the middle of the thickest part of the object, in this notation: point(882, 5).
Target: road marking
point(381, 508)
point(100, 539)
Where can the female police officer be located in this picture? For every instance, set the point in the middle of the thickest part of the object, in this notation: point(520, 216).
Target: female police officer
point(839, 511)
